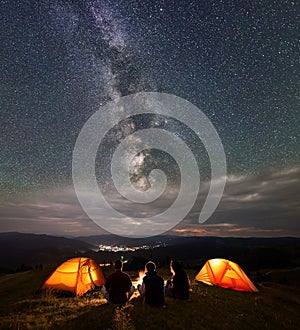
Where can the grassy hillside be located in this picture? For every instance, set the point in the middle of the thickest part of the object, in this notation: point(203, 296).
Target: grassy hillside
point(276, 306)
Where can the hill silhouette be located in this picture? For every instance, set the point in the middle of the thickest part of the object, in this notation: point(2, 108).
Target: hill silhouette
point(20, 251)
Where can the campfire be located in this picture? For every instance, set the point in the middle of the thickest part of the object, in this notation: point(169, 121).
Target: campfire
point(139, 278)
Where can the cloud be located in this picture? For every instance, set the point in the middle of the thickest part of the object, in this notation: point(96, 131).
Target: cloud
point(252, 205)
point(52, 212)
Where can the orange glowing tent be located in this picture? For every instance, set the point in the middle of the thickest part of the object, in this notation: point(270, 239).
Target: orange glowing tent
point(225, 273)
point(77, 275)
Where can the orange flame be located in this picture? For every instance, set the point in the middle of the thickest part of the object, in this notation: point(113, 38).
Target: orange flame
point(140, 278)
point(142, 274)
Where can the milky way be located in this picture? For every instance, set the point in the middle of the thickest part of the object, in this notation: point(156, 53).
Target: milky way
point(62, 60)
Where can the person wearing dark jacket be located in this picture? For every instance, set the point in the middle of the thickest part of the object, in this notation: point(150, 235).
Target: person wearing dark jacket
point(152, 289)
point(118, 287)
point(179, 285)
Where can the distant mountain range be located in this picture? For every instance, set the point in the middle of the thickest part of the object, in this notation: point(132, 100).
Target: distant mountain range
point(18, 251)
point(21, 250)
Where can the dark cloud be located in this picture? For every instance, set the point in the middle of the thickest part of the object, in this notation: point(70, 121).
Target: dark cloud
point(52, 212)
point(264, 205)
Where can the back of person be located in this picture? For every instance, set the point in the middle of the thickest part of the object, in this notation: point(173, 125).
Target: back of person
point(180, 282)
point(118, 285)
point(180, 285)
point(154, 289)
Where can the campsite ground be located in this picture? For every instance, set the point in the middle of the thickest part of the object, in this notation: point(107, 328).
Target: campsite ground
point(275, 306)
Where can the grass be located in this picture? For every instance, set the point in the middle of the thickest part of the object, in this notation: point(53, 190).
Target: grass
point(276, 306)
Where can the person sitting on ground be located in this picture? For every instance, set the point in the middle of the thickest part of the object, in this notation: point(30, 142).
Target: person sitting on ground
point(178, 286)
point(152, 289)
point(118, 287)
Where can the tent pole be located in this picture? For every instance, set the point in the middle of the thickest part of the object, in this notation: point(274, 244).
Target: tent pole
point(79, 263)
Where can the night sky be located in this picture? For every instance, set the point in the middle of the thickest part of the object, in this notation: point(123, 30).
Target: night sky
point(239, 62)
